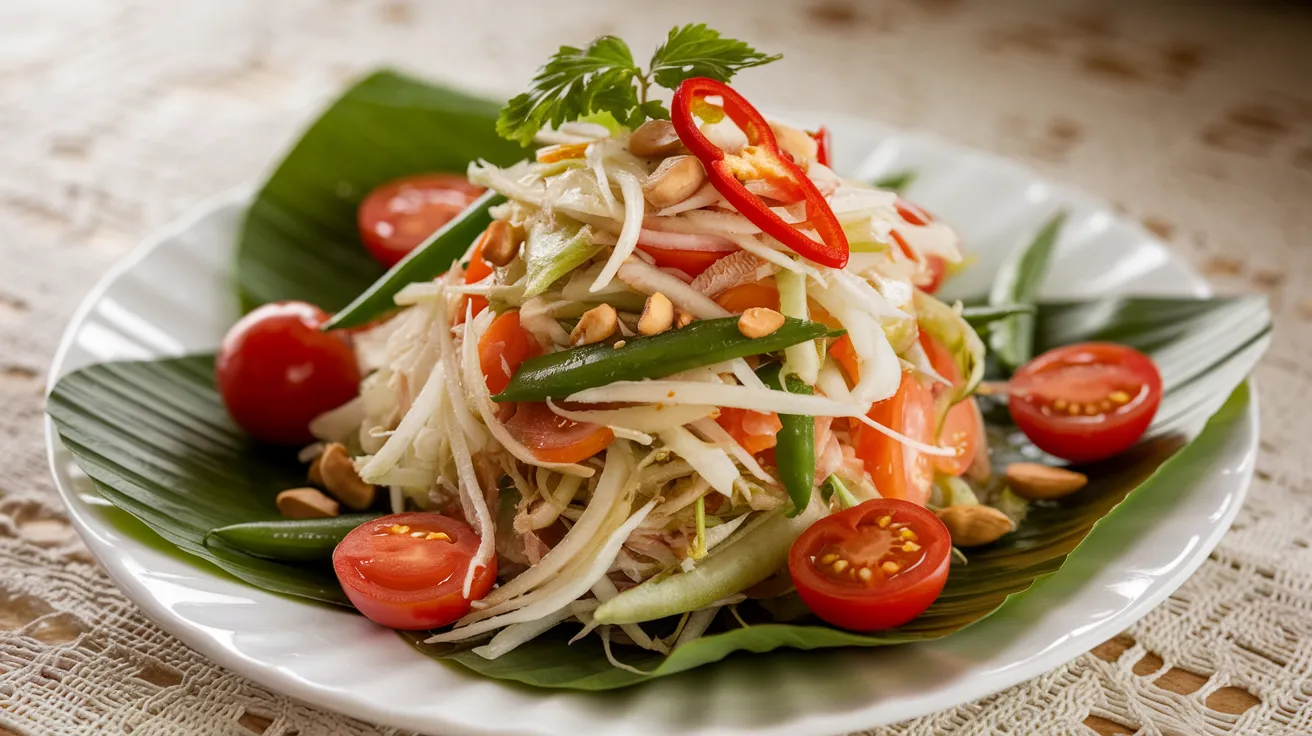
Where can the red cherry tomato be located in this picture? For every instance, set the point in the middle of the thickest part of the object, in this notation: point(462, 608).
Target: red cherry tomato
point(276, 371)
point(407, 571)
point(963, 428)
point(502, 348)
point(874, 566)
point(399, 215)
point(555, 439)
point(1085, 402)
point(691, 262)
point(898, 470)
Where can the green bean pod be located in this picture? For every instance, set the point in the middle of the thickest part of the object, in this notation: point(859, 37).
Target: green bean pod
point(292, 540)
point(794, 451)
point(704, 342)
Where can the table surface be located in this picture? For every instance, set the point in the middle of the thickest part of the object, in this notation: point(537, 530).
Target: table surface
point(1192, 117)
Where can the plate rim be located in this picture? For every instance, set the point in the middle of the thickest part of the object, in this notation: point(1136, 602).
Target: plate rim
point(283, 681)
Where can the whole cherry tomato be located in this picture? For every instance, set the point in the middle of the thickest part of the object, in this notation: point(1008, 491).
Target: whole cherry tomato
point(276, 371)
point(399, 215)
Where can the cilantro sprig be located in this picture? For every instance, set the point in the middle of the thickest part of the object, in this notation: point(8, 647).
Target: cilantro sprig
point(604, 78)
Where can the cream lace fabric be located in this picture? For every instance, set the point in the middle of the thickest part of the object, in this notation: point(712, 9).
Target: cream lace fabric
point(1196, 118)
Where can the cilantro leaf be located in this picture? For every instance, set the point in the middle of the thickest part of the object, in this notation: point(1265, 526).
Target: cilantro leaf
point(573, 83)
point(603, 79)
point(695, 50)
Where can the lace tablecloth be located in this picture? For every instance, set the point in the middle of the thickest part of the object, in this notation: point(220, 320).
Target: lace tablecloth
point(1195, 118)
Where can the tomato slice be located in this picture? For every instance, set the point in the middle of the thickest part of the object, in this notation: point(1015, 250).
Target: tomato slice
point(478, 270)
point(1085, 402)
point(755, 431)
point(874, 566)
point(399, 215)
point(963, 427)
point(276, 371)
point(898, 470)
point(691, 262)
point(503, 348)
point(407, 571)
point(555, 439)
point(740, 298)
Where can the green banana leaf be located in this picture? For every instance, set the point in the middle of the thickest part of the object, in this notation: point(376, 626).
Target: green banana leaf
point(156, 440)
point(300, 239)
point(1011, 341)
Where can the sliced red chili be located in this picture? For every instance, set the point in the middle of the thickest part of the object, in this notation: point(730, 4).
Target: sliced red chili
point(832, 249)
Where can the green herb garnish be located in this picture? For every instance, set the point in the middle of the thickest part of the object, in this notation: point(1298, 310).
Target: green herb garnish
point(604, 78)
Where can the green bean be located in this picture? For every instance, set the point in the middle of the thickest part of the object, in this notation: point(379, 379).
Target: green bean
point(703, 342)
point(299, 540)
point(431, 259)
point(794, 450)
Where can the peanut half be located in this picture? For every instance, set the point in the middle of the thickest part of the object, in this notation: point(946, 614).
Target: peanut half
point(306, 503)
point(973, 524)
point(501, 243)
point(1043, 482)
point(336, 473)
point(675, 180)
point(759, 322)
point(657, 315)
point(596, 324)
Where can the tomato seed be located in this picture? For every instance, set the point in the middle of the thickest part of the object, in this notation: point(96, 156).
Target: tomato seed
point(890, 567)
point(840, 566)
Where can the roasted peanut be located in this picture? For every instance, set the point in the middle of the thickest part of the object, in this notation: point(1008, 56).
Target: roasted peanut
point(681, 318)
point(974, 524)
point(675, 180)
point(501, 243)
point(655, 139)
point(657, 315)
point(306, 503)
point(595, 325)
point(759, 322)
point(337, 474)
point(1043, 482)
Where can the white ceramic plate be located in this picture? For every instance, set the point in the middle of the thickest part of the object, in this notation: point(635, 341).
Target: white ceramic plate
point(174, 295)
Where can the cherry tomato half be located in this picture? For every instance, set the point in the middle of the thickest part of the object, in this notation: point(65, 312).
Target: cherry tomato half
point(691, 262)
point(555, 439)
point(502, 348)
point(399, 215)
point(1085, 402)
point(755, 431)
point(276, 370)
point(407, 571)
point(874, 566)
point(899, 470)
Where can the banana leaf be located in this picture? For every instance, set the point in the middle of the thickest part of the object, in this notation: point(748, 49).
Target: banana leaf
point(1011, 341)
point(300, 239)
point(155, 439)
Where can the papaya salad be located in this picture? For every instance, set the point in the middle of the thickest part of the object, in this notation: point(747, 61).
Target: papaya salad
point(685, 364)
